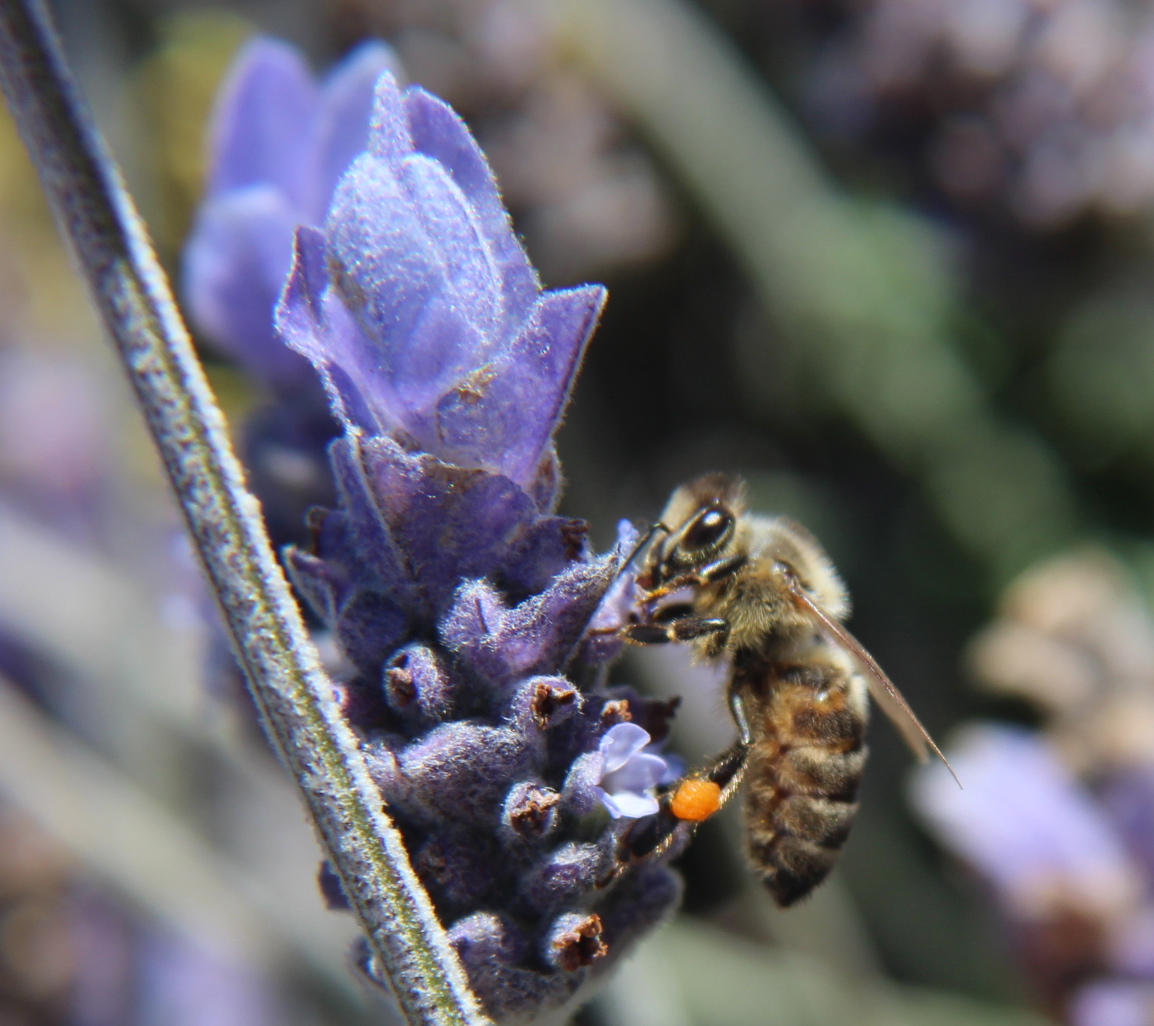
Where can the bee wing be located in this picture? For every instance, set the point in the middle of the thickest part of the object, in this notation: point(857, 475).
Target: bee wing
point(881, 688)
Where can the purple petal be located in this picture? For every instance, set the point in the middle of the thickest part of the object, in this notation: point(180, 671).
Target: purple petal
point(264, 123)
point(674, 768)
point(374, 548)
point(624, 804)
point(234, 265)
point(346, 104)
point(452, 524)
point(640, 773)
point(311, 319)
point(324, 584)
point(621, 743)
point(393, 279)
point(389, 136)
point(604, 643)
point(468, 270)
point(503, 415)
point(439, 132)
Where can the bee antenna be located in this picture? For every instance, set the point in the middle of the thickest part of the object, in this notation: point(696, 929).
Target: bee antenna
point(889, 697)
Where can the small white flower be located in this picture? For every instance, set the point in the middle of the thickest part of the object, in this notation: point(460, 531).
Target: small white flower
point(630, 774)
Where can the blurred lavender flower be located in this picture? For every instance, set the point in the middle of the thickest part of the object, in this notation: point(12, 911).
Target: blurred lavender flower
point(128, 973)
point(1039, 107)
point(280, 142)
point(1069, 862)
point(460, 601)
point(1114, 1003)
point(56, 437)
point(1075, 639)
point(1026, 824)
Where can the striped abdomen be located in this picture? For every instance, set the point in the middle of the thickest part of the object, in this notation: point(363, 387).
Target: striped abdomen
point(808, 718)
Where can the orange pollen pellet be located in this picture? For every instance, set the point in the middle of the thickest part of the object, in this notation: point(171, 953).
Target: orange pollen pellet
point(695, 800)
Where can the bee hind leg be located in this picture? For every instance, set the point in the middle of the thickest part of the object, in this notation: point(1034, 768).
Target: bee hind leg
point(683, 808)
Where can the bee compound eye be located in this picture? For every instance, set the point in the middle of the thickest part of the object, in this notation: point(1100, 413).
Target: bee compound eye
point(709, 529)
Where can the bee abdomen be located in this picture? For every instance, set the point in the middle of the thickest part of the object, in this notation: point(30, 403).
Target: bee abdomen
point(800, 805)
point(803, 771)
point(791, 867)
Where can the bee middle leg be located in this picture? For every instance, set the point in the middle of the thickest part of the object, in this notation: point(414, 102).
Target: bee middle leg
point(698, 578)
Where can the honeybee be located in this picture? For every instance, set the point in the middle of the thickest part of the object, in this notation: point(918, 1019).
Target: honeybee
point(761, 592)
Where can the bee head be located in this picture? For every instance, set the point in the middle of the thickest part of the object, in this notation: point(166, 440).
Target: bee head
point(701, 518)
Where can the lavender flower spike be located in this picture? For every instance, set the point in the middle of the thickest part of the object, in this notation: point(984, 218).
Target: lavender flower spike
point(460, 601)
point(419, 307)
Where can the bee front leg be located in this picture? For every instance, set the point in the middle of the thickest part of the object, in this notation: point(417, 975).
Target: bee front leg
point(685, 628)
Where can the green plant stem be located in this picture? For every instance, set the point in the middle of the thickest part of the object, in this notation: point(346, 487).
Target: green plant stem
point(293, 694)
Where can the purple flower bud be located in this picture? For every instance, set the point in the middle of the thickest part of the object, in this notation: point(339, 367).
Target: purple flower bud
point(495, 953)
point(575, 941)
point(485, 937)
point(603, 642)
point(461, 771)
point(544, 702)
point(459, 867)
point(332, 890)
point(530, 812)
point(502, 644)
point(417, 686)
point(565, 874)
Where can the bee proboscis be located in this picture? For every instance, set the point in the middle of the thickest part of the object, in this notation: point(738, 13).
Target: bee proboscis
point(761, 592)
